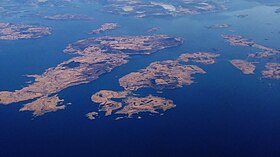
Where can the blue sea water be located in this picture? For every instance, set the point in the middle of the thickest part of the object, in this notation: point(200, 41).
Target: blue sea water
point(224, 113)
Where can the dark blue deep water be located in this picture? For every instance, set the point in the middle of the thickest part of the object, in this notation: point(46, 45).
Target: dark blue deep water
point(223, 114)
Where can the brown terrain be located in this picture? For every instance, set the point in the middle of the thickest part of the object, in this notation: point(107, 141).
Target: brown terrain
point(161, 75)
point(44, 105)
point(236, 40)
point(272, 71)
point(10, 31)
point(149, 104)
point(92, 115)
point(245, 66)
point(105, 27)
point(128, 105)
point(104, 99)
point(265, 52)
point(199, 57)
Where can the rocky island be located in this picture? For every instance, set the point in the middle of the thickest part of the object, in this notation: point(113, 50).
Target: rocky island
point(149, 104)
point(104, 98)
point(105, 27)
point(11, 31)
point(161, 75)
point(92, 115)
point(236, 40)
point(245, 66)
point(129, 104)
point(199, 57)
point(272, 71)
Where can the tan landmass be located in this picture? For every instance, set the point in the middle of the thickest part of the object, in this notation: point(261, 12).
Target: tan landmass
point(236, 40)
point(199, 57)
point(97, 56)
point(160, 75)
point(245, 66)
point(150, 104)
point(127, 45)
point(264, 53)
point(272, 71)
point(104, 98)
point(65, 17)
point(128, 104)
point(10, 31)
point(44, 105)
point(92, 115)
point(105, 27)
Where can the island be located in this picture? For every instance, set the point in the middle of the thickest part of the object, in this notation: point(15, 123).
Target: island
point(151, 104)
point(66, 17)
point(104, 98)
point(128, 104)
point(12, 31)
point(95, 57)
point(161, 75)
point(236, 40)
point(245, 66)
point(272, 71)
point(199, 57)
point(105, 27)
point(92, 115)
